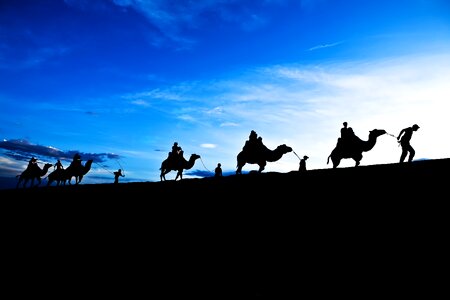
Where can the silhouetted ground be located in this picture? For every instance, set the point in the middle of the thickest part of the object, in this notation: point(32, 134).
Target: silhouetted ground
point(368, 231)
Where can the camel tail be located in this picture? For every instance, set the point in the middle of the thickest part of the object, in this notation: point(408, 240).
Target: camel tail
point(328, 159)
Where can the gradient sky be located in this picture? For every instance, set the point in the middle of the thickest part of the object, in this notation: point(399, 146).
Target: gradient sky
point(120, 80)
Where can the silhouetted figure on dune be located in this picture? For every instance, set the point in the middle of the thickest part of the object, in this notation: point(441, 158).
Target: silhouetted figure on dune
point(58, 172)
point(255, 152)
point(354, 148)
point(218, 170)
point(404, 138)
point(58, 165)
point(118, 174)
point(302, 165)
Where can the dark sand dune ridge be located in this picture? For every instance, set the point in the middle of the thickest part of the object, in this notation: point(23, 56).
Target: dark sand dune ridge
point(375, 230)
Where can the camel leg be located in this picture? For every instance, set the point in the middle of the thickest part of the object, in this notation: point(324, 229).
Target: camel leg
point(239, 169)
point(336, 162)
point(262, 166)
point(163, 174)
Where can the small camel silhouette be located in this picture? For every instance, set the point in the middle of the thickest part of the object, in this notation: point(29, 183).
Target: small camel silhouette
point(32, 173)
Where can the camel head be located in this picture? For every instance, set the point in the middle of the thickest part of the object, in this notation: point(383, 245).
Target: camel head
point(284, 149)
point(376, 133)
point(195, 156)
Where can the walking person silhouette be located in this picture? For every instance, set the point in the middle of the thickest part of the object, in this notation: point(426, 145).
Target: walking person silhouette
point(302, 167)
point(58, 165)
point(117, 174)
point(404, 138)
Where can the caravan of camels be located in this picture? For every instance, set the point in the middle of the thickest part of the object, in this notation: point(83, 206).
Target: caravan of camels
point(349, 146)
point(59, 175)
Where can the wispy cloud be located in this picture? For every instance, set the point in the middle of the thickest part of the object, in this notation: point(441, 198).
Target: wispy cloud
point(173, 18)
point(324, 46)
point(140, 102)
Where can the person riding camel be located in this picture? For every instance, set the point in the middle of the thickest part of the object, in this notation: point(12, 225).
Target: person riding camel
point(176, 153)
point(347, 136)
point(253, 144)
point(76, 161)
point(32, 164)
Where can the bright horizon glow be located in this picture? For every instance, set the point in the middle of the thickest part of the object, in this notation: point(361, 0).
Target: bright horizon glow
point(120, 81)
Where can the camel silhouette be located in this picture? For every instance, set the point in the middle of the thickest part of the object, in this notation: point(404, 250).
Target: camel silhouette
point(181, 164)
point(65, 175)
point(31, 174)
point(354, 148)
point(260, 157)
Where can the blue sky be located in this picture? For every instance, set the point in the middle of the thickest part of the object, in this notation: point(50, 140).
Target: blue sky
point(120, 80)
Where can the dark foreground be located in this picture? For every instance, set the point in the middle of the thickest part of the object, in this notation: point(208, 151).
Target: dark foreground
point(348, 232)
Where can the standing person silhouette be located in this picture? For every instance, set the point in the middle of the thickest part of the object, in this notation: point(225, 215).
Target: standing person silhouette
point(58, 165)
point(218, 171)
point(117, 174)
point(302, 167)
point(404, 138)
